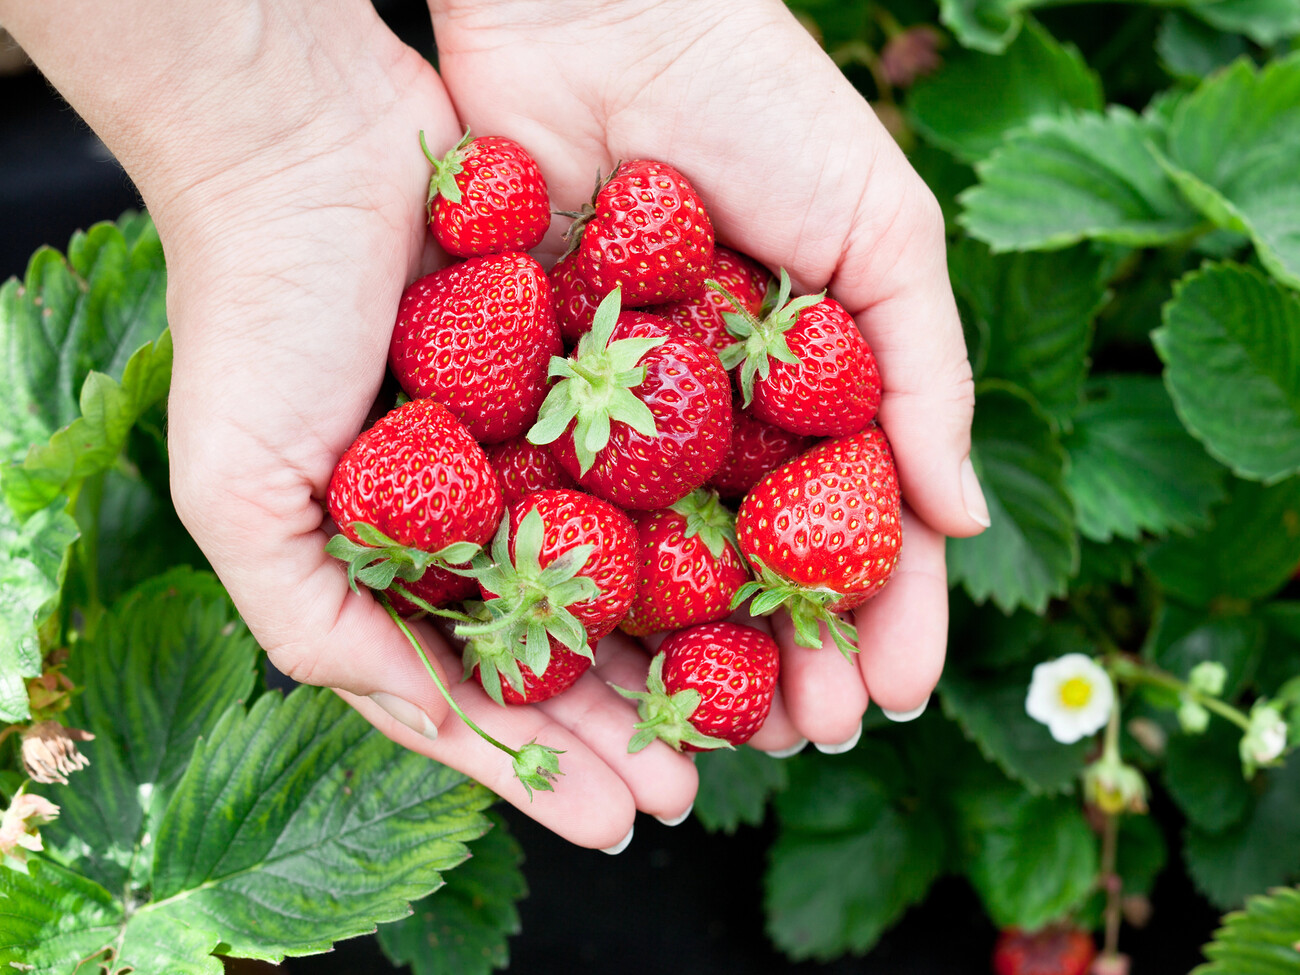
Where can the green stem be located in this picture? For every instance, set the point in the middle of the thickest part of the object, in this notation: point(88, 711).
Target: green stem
point(1131, 671)
point(442, 688)
point(427, 606)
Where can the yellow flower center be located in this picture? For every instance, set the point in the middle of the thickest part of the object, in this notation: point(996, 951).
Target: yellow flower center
point(1076, 692)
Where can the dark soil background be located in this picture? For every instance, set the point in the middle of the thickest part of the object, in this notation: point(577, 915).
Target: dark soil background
point(678, 901)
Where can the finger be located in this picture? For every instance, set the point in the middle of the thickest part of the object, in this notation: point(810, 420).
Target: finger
point(824, 693)
point(589, 805)
point(662, 781)
point(903, 631)
point(778, 733)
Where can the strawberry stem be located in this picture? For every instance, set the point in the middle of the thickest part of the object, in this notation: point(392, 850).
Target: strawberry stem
point(808, 609)
point(535, 766)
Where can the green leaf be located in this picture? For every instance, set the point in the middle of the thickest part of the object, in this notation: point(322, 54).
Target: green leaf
point(1191, 49)
point(1203, 775)
point(1073, 178)
point(1032, 549)
point(1249, 552)
point(1260, 851)
point(1264, 21)
point(1031, 858)
point(462, 928)
point(970, 106)
point(735, 785)
point(1184, 638)
point(1133, 468)
point(1232, 149)
point(92, 442)
point(985, 25)
point(1261, 940)
point(298, 824)
point(69, 317)
point(847, 811)
point(1281, 659)
point(33, 560)
point(163, 666)
point(56, 921)
point(1231, 347)
point(990, 709)
point(1036, 311)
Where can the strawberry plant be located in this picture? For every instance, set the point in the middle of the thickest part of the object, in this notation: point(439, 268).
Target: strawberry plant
point(1120, 710)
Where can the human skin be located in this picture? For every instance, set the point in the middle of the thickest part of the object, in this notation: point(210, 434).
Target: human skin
point(275, 146)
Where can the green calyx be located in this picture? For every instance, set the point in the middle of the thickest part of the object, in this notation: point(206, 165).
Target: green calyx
point(707, 518)
point(595, 388)
point(537, 766)
point(666, 716)
point(761, 339)
point(808, 608)
point(573, 236)
point(496, 658)
point(445, 170)
point(377, 560)
point(531, 605)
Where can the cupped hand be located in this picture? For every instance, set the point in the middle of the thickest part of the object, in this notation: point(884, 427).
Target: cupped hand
point(797, 172)
point(289, 241)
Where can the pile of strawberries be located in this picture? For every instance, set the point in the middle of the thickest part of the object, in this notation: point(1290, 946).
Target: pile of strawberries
point(574, 440)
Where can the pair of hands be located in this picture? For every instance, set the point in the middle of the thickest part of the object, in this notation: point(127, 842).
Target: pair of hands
point(288, 187)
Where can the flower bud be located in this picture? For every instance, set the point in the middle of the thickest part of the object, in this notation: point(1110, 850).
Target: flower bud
point(1115, 787)
point(1208, 677)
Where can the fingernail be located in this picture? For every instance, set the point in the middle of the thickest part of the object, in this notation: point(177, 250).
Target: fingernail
point(794, 749)
point(901, 716)
point(406, 713)
point(621, 845)
point(843, 746)
point(676, 820)
point(973, 494)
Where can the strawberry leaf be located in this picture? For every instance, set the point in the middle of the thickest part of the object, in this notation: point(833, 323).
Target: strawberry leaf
point(463, 927)
point(1230, 150)
point(1065, 179)
point(1133, 468)
point(1264, 939)
point(970, 106)
point(735, 786)
point(1230, 341)
point(1035, 315)
point(1032, 548)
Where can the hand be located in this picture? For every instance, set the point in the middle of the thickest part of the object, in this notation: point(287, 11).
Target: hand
point(797, 172)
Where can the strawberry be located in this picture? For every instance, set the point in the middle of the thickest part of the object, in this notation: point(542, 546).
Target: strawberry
point(645, 230)
point(413, 494)
point(701, 317)
point(639, 417)
point(805, 367)
point(563, 568)
point(575, 304)
point(508, 681)
point(477, 337)
point(690, 565)
point(823, 532)
point(756, 448)
point(709, 686)
point(523, 468)
point(487, 196)
point(1055, 950)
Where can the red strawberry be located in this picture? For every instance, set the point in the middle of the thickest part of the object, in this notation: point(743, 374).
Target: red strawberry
point(508, 681)
point(640, 417)
point(412, 492)
point(575, 303)
point(477, 337)
point(709, 686)
point(523, 468)
point(563, 568)
point(487, 196)
point(690, 566)
point(805, 367)
point(823, 532)
point(701, 317)
point(756, 448)
point(646, 229)
point(1055, 950)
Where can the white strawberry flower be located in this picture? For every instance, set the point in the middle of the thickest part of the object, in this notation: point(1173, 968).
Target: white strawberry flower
point(1072, 695)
